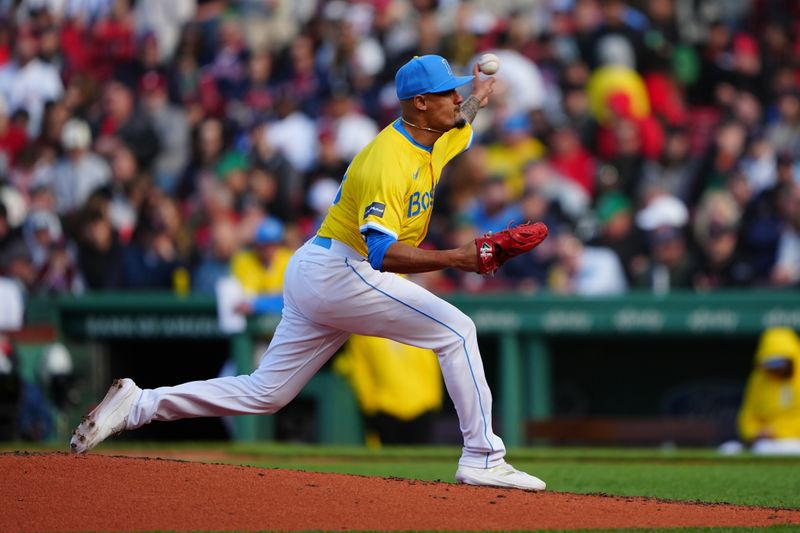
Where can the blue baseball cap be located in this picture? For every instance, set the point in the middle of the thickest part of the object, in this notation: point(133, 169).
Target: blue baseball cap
point(270, 231)
point(426, 74)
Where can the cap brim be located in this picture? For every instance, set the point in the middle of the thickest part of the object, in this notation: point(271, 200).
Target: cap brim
point(456, 81)
point(775, 362)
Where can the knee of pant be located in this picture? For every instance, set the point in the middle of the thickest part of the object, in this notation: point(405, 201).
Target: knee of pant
point(464, 327)
point(270, 404)
point(268, 399)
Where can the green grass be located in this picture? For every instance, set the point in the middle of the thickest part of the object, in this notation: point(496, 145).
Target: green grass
point(762, 485)
point(701, 475)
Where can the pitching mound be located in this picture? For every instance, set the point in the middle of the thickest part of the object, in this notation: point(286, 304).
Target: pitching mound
point(60, 492)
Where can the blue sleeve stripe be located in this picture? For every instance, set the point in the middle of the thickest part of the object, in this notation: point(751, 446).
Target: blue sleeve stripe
point(377, 244)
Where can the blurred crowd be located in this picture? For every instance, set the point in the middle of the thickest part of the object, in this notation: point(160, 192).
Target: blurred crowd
point(143, 142)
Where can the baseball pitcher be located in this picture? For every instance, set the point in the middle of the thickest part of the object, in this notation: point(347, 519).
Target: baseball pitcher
point(343, 281)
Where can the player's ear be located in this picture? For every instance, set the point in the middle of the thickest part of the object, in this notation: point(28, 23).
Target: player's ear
point(420, 103)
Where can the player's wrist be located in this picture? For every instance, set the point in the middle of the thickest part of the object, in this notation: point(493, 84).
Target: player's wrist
point(470, 107)
point(466, 257)
point(474, 97)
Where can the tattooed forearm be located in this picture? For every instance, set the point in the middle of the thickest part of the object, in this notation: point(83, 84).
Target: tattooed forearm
point(469, 108)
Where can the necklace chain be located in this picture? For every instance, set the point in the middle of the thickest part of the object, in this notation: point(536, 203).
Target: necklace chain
point(420, 127)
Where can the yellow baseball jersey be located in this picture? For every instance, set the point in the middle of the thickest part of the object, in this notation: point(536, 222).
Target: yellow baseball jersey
point(389, 186)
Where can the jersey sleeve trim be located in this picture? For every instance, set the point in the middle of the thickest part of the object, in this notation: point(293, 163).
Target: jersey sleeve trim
point(471, 138)
point(372, 225)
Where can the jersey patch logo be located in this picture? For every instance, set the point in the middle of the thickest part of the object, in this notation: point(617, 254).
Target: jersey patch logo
point(413, 177)
point(375, 209)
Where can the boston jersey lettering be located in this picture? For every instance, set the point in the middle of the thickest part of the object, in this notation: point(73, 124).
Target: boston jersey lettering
point(419, 203)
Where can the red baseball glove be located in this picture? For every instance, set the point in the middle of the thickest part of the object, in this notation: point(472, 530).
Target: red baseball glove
point(494, 249)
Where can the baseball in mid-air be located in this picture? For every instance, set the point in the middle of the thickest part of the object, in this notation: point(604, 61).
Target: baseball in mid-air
point(488, 63)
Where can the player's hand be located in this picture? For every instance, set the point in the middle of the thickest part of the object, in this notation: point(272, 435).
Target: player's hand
point(482, 85)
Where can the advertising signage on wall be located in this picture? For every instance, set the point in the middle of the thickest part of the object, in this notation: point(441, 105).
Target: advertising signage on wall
point(150, 326)
point(684, 314)
point(634, 314)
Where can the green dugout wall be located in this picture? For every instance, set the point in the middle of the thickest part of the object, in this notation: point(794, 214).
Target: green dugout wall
point(523, 326)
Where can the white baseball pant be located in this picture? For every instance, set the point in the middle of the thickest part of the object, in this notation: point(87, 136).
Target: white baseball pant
point(331, 292)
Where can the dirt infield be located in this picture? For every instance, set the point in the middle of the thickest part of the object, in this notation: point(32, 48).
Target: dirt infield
point(60, 492)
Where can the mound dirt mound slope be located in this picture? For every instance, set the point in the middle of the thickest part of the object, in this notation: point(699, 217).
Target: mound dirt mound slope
point(60, 492)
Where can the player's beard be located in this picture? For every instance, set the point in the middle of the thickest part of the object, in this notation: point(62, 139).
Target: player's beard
point(461, 122)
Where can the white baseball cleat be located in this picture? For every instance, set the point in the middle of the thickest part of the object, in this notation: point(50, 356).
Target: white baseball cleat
point(108, 418)
point(503, 475)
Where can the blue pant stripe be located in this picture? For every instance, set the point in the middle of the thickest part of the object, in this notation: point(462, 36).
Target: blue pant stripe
point(463, 342)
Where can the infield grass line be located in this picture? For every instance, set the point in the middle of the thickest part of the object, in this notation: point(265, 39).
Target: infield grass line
point(428, 453)
point(680, 475)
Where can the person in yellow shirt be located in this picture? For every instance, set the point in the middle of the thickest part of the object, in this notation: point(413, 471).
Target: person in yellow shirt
point(260, 269)
point(513, 151)
point(345, 281)
point(398, 388)
point(770, 414)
